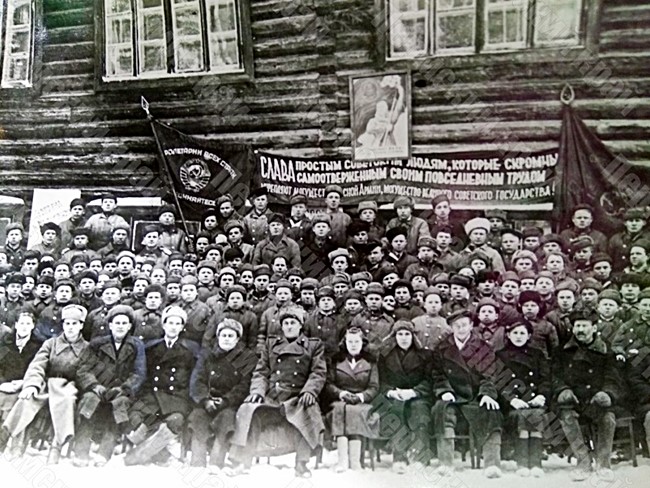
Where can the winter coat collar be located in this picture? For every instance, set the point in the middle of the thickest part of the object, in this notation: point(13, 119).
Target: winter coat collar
point(597, 345)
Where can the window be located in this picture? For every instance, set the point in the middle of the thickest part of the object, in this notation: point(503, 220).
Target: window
point(17, 50)
point(166, 38)
point(443, 27)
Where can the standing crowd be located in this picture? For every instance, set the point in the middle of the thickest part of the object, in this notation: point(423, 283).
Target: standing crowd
point(265, 334)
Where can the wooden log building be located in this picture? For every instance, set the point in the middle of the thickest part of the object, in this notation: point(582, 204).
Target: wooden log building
point(275, 74)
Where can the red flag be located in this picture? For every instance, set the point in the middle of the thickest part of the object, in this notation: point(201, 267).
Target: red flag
point(588, 172)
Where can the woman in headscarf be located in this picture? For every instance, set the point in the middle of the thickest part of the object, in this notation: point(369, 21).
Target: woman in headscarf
point(405, 395)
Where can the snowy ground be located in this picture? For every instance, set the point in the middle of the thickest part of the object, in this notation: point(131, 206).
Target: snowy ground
point(31, 471)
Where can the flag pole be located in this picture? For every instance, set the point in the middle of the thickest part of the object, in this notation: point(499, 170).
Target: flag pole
point(165, 166)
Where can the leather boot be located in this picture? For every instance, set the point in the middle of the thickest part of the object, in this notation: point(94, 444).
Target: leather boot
point(605, 440)
point(218, 454)
point(343, 453)
point(522, 456)
point(150, 447)
point(54, 455)
point(355, 454)
point(4, 438)
point(535, 452)
point(492, 455)
point(573, 433)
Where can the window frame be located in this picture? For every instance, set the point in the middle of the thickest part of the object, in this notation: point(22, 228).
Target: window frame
point(36, 62)
point(174, 81)
point(589, 24)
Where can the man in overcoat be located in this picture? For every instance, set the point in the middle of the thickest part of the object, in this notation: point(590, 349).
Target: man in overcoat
point(586, 386)
point(286, 383)
point(463, 383)
point(164, 402)
point(111, 371)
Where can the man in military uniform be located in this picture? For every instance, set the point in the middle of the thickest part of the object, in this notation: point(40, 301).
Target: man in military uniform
point(285, 387)
point(151, 246)
point(582, 218)
point(14, 245)
point(119, 242)
point(77, 219)
point(164, 402)
point(586, 387)
point(299, 225)
point(49, 323)
point(635, 220)
point(256, 221)
point(14, 300)
point(101, 224)
point(374, 323)
point(276, 244)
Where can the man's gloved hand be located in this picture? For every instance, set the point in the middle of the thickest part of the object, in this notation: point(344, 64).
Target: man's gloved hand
point(99, 390)
point(254, 398)
point(306, 399)
point(567, 397)
point(602, 399)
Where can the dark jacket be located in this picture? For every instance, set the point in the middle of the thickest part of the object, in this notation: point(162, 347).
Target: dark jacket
point(101, 364)
point(467, 373)
point(168, 375)
point(586, 370)
point(224, 374)
point(363, 379)
point(410, 369)
point(526, 373)
point(13, 363)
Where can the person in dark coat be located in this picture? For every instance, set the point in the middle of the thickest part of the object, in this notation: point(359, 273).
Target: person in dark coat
point(374, 323)
point(219, 384)
point(405, 394)
point(164, 402)
point(586, 386)
point(352, 385)
point(464, 385)
point(237, 310)
point(287, 381)
point(17, 349)
point(277, 243)
point(526, 394)
point(111, 372)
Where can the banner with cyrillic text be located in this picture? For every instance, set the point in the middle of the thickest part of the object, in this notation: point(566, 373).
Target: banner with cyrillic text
point(469, 179)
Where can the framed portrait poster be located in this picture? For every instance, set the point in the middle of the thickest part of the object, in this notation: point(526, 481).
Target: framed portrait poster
point(380, 114)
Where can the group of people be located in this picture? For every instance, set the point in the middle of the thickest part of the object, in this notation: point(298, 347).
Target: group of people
point(266, 334)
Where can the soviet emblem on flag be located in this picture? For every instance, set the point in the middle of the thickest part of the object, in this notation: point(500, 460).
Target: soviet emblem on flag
point(195, 175)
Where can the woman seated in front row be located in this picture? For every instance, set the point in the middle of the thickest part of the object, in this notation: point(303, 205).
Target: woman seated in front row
point(352, 385)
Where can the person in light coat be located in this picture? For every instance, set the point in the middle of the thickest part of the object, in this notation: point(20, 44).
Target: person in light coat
point(49, 379)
